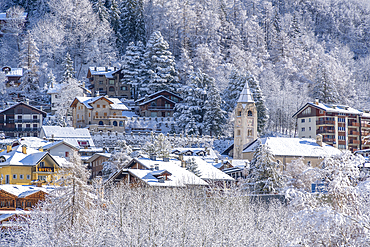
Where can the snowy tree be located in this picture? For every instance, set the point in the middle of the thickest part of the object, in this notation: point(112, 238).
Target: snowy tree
point(160, 66)
point(192, 166)
point(68, 72)
point(185, 66)
point(191, 127)
point(132, 27)
point(264, 176)
point(73, 196)
point(259, 100)
point(300, 175)
point(324, 89)
point(118, 159)
point(101, 10)
point(132, 66)
point(160, 146)
point(214, 117)
point(232, 92)
point(29, 59)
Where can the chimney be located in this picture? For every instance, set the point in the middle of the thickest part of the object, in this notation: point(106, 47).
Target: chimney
point(41, 108)
point(24, 149)
point(216, 160)
point(183, 163)
point(106, 69)
point(156, 167)
point(181, 157)
point(319, 140)
point(52, 137)
point(8, 148)
point(316, 101)
point(41, 149)
point(27, 101)
point(97, 94)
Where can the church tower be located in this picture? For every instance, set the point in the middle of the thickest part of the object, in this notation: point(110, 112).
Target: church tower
point(245, 126)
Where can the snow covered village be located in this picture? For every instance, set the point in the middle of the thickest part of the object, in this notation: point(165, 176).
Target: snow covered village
point(184, 123)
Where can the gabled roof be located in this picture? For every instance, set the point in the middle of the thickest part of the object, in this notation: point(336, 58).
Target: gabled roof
point(97, 155)
point(245, 95)
point(333, 108)
point(106, 71)
point(296, 147)
point(115, 104)
point(160, 96)
point(21, 103)
point(154, 94)
point(179, 177)
point(22, 191)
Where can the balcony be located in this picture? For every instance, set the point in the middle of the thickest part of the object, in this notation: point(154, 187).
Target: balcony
point(328, 140)
point(324, 122)
point(45, 169)
point(22, 130)
point(160, 108)
point(26, 120)
point(110, 117)
point(356, 142)
point(324, 131)
point(355, 124)
point(353, 133)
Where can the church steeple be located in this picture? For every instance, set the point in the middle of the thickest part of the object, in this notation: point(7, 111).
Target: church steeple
point(245, 126)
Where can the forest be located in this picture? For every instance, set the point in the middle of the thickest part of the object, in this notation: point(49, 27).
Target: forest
point(295, 50)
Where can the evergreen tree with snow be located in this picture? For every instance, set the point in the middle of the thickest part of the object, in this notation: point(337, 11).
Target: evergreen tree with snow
point(191, 127)
point(264, 176)
point(324, 88)
point(132, 66)
point(160, 66)
point(259, 100)
point(115, 14)
point(68, 71)
point(192, 166)
point(29, 59)
point(232, 92)
point(160, 146)
point(132, 26)
point(194, 94)
point(101, 10)
point(185, 66)
point(214, 117)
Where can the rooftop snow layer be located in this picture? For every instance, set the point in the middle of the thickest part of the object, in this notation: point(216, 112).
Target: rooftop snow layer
point(298, 147)
point(24, 190)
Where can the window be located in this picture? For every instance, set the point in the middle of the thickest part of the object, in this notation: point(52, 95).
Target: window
point(111, 89)
point(100, 82)
point(120, 123)
point(101, 89)
point(28, 125)
point(20, 117)
point(309, 163)
point(309, 120)
point(249, 132)
point(153, 114)
point(89, 114)
point(114, 123)
point(96, 114)
point(250, 114)
point(97, 106)
point(56, 96)
point(238, 132)
point(167, 106)
point(111, 82)
point(66, 154)
point(303, 129)
point(42, 164)
point(42, 178)
point(341, 120)
point(105, 114)
point(239, 113)
point(342, 146)
point(303, 120)
point(123, 88)
point(14, 176)
point(34, 125)
point(341, 128)
point(341, 138)
point(78, 116)
point(21, 176)
point(104, 106)
point(321, 111)
point(309, 128)
point(34, 117)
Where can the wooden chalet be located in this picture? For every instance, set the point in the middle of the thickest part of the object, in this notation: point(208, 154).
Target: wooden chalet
point(159, 104)
point(21, 120)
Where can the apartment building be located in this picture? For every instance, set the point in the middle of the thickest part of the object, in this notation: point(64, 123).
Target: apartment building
point(106, 81)
point(341, 126)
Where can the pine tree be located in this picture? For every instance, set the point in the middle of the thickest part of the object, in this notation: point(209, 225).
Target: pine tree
point(160, 66)
point(29, 60)
point(214, 117)
point(185, 66)
point(115, 14)
point(232, 92)
point(101, 10)
point(132, 66)
point(324, 89)
point(191, 127)
point(259, 101)
point(68, 72)
point(192, 166)
point(264, 177)
point(132, 27)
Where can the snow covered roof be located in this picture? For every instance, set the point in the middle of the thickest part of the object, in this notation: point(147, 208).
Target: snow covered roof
point(107, 71)
point(129, 114)
point(179, 177)
point(297, 147)
point(32, 142)
point(245, 95)
point(21, 103)
point(207, 170)
point(115, 104)
point(54, 88)
point(22, 191)
point(69, 135)
point(334, 109)
point(97, 155)
point(196, 151)
point(159, 92)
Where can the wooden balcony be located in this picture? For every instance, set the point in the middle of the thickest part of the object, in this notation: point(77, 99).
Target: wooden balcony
point(325, 122)
point(355, 124)
point(325, 131)
point(353, 133)
point(356, 142)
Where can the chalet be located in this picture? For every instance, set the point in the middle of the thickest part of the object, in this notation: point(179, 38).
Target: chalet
point(21, 120)
point(150, 172)
point(23, 166)
point(13, 76)
point(23, 197)
point(98, 113)
point(96, 163)
point(341, 126)
point(287, 149)
point(159, 104)
point(106, 81)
